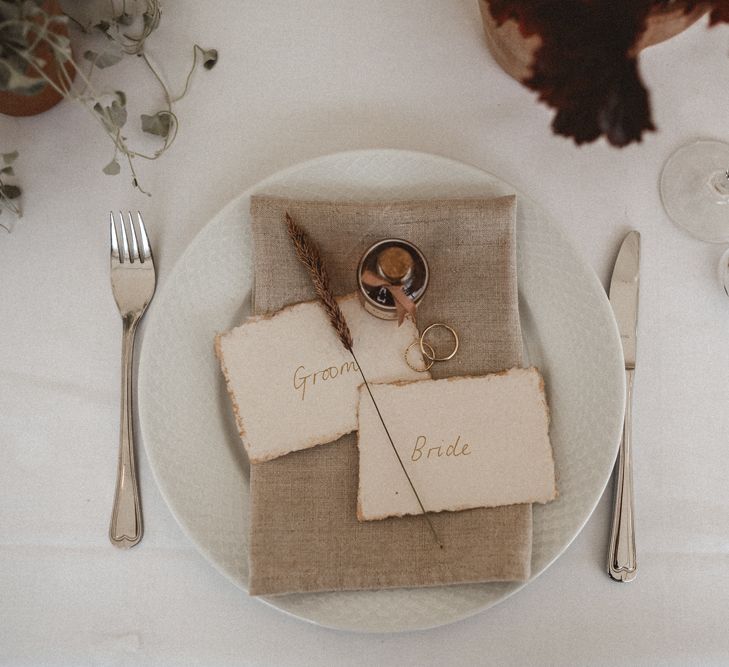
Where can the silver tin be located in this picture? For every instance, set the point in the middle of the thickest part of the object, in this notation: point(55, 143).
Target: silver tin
point(410, 272)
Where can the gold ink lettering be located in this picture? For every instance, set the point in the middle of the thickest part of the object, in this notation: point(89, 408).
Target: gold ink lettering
point(418, 450)
point(440, 450)
point(348, 366)
point(300, 382)
point(452, 450)
point(301, 378)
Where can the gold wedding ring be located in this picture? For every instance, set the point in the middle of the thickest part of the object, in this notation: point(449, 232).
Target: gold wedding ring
point(432, 357)
point(428, 364)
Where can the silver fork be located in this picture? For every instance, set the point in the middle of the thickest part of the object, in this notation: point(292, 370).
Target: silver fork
point(132, 282)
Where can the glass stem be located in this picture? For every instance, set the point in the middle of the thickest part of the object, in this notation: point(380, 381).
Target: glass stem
point(719, 182)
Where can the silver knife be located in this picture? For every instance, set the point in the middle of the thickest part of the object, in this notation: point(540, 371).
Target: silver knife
point(622, 565)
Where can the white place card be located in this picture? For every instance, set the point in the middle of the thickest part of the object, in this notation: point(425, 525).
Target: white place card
point(292, 383)
point(466, 442)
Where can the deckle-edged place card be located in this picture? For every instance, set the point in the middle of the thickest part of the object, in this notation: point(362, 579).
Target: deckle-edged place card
point(292, 383)
point(466, 442)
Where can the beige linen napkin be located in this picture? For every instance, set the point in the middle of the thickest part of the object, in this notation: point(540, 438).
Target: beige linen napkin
point(304, 533)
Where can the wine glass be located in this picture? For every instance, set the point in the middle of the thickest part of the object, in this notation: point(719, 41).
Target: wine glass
point(724, 271)
point(695, 189)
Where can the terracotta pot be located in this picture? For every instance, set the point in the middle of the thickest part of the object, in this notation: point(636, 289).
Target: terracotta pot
point(515, 53)
point(15, 104)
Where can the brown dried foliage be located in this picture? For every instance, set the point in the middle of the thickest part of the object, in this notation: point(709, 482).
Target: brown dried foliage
point(586, 68)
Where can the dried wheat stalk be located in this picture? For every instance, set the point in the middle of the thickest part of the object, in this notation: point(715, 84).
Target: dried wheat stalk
point(308, 254)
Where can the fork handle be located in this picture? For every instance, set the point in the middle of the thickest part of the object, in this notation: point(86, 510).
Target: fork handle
point(622, 564)
point(125, 529)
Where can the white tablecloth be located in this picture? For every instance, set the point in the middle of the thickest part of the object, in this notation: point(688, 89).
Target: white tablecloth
point(297, 80)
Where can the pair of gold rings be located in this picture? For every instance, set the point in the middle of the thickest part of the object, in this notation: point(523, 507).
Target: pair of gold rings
point(427, 350)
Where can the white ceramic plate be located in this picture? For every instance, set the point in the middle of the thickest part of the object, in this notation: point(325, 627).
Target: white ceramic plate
point(191, 440)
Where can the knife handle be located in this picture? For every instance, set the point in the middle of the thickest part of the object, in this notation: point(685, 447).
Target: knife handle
point(622, 563)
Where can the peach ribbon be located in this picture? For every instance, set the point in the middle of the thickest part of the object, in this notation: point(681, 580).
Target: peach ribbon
point(403, 303)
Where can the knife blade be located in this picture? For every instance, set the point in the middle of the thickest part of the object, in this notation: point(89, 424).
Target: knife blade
point(624, 292)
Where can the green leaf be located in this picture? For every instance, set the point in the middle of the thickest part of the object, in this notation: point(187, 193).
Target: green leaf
point(9, 158)
point(17, 82)
point(8, 171)
point(151, 20)
point(10, 191)
point(159, 124)
point(63, 43)
point(112, 169)
point(209, 58)
point(114, 116)
point(105, 117)
point(104, 59)
point(117, 114)
point(124, 19)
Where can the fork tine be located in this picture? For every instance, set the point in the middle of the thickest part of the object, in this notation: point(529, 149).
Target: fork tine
point(143, 239)
point(114, 240)
point(125, 245)
point(133, 238)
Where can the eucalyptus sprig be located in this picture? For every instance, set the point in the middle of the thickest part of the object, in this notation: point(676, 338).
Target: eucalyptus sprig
point(121, 29)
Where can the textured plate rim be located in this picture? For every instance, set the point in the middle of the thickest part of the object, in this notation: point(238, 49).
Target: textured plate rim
point(579, 260)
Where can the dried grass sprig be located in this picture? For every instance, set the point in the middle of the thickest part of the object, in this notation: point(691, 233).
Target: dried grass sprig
point(308, 254)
